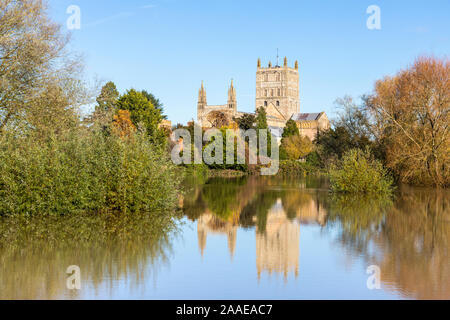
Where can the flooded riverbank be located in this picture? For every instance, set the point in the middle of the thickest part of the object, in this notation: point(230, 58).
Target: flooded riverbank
point(243, 238)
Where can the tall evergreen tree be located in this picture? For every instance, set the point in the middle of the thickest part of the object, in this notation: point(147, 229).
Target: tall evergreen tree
point(107, 99)
point(261, 119)
point(261, 124)
point(291, 129)
point(155, 102)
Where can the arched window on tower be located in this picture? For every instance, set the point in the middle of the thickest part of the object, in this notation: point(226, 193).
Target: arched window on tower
point(279, 92)
point(278, 103)
point(265, 103)
point(265, 92)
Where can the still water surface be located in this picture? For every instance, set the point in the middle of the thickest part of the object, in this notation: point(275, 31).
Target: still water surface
point(246, 238)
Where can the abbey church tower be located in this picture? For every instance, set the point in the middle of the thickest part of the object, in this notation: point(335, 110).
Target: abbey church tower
point(277, 90)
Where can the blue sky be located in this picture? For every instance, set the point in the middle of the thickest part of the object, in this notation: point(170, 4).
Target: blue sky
point(169, 46)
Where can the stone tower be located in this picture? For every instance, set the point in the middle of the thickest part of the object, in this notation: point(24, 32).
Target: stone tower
point(232, 102)
point(277, 90)
point(202, 103)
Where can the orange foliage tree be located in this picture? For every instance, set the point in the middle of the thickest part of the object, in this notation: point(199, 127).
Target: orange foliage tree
point(411, 112)
point(122, 124)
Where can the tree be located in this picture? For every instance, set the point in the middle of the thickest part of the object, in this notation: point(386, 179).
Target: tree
point(261, 124)
point(355, 119)
point(333, 143)
point(412, 119)
point(218, 119)
point(122, 124)
point(143, 114)
point(353, 129)
point(359, 173)
point(107, 99)
point(155, 102)
point(291, 129)
point(246, 121)
point(261, 118)
point(296, 147)
point(106, 105)
point(33, 65)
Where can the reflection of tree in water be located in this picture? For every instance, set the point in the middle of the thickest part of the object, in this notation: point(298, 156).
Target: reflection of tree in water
point(35, 252)
point(410, 237)
point(416, 237)
point(259, 208)
point(358, 218)
point(226, 200)
point(192, 202)
point(247, 201)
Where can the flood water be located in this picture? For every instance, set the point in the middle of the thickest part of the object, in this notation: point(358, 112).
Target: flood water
point(243, 238)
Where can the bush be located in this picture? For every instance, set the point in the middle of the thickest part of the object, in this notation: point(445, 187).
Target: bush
point(295, 147)
point(359, 173)
point(294, 168)
point(84, 170)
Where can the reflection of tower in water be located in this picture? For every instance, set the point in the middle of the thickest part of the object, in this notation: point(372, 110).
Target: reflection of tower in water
point(213, 225)
point(278, 248)
point(278, 244)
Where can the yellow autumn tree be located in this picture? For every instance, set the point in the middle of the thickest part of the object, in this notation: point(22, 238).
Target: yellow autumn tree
point(297, 147)
point(122, 124)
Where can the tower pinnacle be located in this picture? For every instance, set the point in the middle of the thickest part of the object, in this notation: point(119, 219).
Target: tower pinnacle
point(277, 58)
point(232, 102)
point(202, 97)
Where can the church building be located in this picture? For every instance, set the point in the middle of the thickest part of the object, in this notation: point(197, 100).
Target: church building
point(278, 92)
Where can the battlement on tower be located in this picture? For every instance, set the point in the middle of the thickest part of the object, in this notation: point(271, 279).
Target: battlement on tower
point(278, 89)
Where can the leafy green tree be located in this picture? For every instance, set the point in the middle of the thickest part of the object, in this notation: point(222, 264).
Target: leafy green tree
point(291, 129)
point(143, 114)
point(261, 124)
point(246, 121)
point(155, 102)
point(224, 165)
point(333, 143)
point(261, 119)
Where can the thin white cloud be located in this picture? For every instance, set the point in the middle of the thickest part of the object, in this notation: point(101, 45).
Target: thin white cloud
point(418, 30)
point(122, 15)
point(110, 18)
